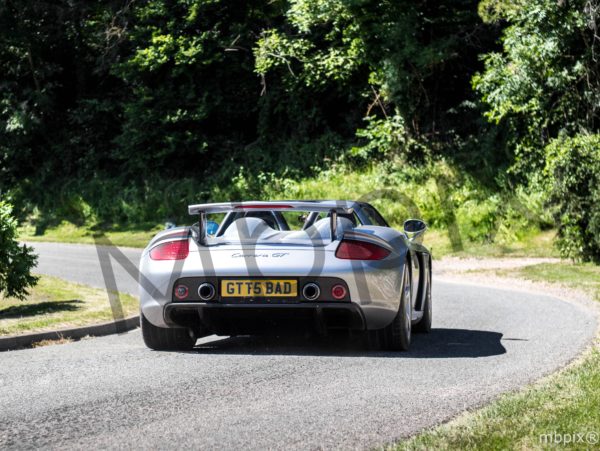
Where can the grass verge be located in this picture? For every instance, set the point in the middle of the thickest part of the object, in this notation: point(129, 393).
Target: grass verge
point(535, 244)
point(67, 232)
point(56, 304)
point(582, 276)
point(549, 414)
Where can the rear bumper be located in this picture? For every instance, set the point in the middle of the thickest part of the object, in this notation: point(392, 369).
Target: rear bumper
point(240, 319)
point(373, 285)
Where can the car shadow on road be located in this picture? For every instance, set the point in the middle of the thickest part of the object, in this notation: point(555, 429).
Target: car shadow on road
point(439, 343)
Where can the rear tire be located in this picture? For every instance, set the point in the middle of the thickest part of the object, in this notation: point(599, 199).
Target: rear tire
point(424, 326)
point(166, 339)
point(396, 336)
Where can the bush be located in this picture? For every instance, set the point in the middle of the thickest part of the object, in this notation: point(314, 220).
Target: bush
point(16, 261)
point(437, 192)
point(573, 170)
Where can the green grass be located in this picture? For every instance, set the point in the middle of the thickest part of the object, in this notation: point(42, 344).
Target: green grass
point(567, 402)
point(534, 244)
point(55, 303)
point(584, 276)
point(67, 232)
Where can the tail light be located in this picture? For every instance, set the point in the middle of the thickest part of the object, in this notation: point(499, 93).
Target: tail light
point(173, 250)
point(338, 292)
point(360, 250)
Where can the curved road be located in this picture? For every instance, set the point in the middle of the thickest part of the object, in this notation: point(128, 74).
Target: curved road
point(268, 393)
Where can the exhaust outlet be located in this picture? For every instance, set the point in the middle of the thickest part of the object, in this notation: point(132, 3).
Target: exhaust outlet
point(311, 291)
point(206, 291)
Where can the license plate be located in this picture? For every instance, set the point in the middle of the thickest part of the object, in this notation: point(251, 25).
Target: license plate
point(242, 288)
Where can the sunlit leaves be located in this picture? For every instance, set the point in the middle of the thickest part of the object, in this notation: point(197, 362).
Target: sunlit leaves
point(179, 50)
point(16, 261)
point(544, 67)
point(325, 46)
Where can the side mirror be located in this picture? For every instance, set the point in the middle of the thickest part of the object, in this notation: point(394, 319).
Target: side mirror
point(415, 228)
point(211, 228)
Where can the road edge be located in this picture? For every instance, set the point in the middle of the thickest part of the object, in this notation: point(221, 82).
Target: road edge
point(578, 298)
point(119, 326)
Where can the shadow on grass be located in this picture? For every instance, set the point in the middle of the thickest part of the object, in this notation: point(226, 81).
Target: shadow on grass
point(40, 308)
point(440, 343)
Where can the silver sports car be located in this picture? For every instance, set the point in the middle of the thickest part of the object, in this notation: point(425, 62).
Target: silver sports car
point(287, 266)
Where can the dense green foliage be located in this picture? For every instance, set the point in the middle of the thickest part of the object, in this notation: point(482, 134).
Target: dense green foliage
point(545, 87)
point(16, 261)
point(118, 114)
point(574, 182)
point(546, 81)
point(405, 58)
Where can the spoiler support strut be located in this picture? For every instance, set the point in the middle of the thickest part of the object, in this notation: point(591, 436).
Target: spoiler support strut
point(333, 224)
point(202, 228)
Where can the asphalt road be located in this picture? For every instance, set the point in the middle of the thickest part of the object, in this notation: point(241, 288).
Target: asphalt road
point(254, 393)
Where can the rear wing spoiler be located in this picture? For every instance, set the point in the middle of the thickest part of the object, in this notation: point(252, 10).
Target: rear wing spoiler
point(332, 207)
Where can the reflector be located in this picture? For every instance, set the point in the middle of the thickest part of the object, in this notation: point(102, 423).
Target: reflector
point(338, 291)
point(181, 292)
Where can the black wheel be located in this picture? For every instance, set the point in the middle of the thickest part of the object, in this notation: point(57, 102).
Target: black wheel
point(424, 326)
point(163, 339)
point(396, 336)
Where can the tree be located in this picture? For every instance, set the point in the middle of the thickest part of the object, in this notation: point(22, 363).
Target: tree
point(546, 80)
point(573, 179)
point(545, 85)
point(413, 57)
point(16, 262)
point(59, 108)
point(192, 92)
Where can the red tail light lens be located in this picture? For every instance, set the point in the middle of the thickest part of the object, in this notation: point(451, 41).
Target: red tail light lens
point(360, 250)
point(173, 250)
point(338, 291)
